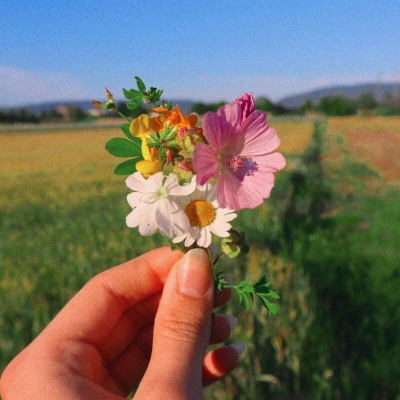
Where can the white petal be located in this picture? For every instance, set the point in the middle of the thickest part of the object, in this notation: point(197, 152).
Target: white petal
point(205, 237)
point(134, 199)
point(189, 240)
point(180, 221)
point(134, 218)
point(136, 182)
point(175, 189)
point(220, 228)
point(163, 218)
point(178, 239)
point(225, 214)
point(148, 225)
point(148, 198)
point(154, 182)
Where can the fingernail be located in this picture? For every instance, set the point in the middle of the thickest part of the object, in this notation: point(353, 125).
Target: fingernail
point(231, 320)
point(239, 347)
point(194, 274)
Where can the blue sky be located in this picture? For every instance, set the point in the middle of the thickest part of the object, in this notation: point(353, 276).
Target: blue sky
point(199, 50)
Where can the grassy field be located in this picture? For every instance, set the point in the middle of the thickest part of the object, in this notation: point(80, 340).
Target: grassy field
point(62, 220)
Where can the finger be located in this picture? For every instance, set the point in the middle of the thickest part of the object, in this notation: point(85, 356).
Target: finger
point(222, 297)
point(95, 310)
point(142, 314)
point(181, 330)
point(130, 366)
point(220, 362)
point(222, 326)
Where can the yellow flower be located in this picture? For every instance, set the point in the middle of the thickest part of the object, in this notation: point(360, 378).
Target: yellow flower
point(140, 127)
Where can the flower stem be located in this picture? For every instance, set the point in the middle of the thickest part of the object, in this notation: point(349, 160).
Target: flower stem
point(123, 116)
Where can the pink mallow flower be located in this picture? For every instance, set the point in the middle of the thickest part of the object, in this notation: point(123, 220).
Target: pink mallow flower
point(240, 154)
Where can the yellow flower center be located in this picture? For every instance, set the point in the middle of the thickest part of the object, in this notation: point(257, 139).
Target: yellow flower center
point(200, 213)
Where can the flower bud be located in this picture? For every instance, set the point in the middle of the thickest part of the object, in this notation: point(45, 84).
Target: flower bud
point(187, 138)
point(184, 170)
point(235, 244)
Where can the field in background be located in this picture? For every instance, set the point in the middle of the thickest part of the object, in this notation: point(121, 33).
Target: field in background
point(62, 220)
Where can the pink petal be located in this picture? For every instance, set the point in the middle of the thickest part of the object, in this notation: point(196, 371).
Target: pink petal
point(222, 127)
point(235, 195)
point(262, 181)
point(204, 163)
point(227, 186)
point(231, 114)
point(272, 162)
point(259, 137)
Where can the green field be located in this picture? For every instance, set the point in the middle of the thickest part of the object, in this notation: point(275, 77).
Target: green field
point(328, 238)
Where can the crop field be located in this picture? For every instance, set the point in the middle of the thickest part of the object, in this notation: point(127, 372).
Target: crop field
point(62, 220)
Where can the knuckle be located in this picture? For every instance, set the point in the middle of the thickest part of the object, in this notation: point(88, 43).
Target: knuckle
point(184, 326)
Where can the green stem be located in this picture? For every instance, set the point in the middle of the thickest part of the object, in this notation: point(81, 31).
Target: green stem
point(211, 262)
point(123, 116)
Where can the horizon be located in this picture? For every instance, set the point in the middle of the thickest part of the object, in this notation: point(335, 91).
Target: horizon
point(204, 52)
point(173, 100)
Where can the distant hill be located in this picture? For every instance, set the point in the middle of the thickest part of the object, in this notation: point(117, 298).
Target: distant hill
point(351, 91)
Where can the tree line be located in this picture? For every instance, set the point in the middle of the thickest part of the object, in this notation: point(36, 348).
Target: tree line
point(332, 106)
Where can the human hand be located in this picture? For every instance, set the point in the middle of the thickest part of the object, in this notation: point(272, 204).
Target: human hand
point(146, 322)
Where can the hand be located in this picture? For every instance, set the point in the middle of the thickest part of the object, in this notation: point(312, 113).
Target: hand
point(146, 322)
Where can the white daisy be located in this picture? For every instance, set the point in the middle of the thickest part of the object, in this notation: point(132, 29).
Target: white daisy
point(154, 203)
point(204, 216)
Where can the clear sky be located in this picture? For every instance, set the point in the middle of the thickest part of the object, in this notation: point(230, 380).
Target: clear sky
point(201, 50)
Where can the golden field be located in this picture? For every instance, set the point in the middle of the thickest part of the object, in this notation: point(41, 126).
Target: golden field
point(65, 156)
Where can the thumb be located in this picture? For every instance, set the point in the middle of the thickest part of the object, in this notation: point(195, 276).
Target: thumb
point(182, 330)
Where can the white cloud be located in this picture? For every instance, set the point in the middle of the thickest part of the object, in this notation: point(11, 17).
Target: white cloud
point(21, 87)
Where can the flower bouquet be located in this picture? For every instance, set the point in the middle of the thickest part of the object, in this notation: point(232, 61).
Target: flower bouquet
point(188, 181)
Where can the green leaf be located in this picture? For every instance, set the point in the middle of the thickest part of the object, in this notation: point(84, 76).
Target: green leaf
point(120, 147)
point(274, 295)
point(131, 94)
point(127, 167)
point(271, 307)
point(262, 281)
point(219, 281)
point(177, 246)
point(128, 134)
point(141, 86)
point(247, 302)
point(135, 103)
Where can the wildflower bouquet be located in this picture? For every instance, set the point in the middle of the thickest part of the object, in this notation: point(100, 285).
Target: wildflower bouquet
point(188, 181)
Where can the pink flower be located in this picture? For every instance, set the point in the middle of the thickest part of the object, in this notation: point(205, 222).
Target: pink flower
point(240, 154)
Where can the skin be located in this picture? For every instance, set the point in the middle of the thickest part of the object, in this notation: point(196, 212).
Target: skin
point(144, 324)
